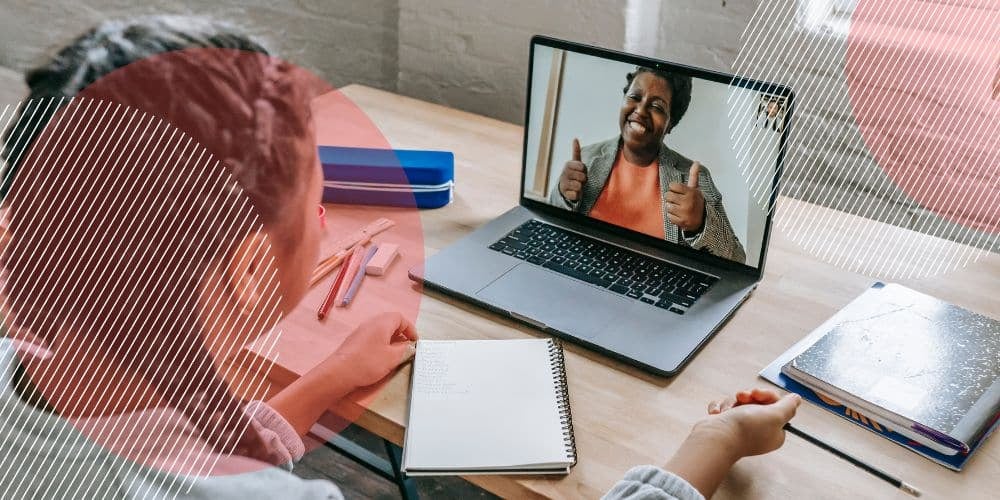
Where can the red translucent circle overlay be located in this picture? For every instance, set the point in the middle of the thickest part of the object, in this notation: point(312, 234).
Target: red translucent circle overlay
point(925, 91)
point(279, 104)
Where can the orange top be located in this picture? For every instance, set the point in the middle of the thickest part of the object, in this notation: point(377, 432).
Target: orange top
point(631, 198)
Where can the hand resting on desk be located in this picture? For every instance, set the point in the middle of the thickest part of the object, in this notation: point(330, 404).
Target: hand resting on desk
point(370, 353)
point(373, 350)
point(749, 423)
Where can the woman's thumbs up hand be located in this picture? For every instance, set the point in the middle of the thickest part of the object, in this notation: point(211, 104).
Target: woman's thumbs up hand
point(686, 203)
point(574, 175)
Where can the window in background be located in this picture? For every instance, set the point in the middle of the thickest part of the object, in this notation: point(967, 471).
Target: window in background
point(827, 16)
point(834, 16)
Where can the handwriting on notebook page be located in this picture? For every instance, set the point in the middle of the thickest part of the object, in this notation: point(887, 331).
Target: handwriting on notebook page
point(433, 377)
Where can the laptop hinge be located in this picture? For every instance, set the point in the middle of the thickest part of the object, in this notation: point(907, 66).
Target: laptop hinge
point(532, 322)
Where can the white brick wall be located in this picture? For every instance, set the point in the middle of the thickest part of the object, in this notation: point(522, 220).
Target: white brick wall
point(470, 54)
point(473, 54)
point(829, 162)
point(343, 40)
point(704, 33)
point(12, 88)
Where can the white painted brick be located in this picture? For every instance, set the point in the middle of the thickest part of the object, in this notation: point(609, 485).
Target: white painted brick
point(476, 53)
point(473, 55)
point(345, 41)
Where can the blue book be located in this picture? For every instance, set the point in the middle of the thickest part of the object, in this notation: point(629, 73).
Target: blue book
point(390, 177)
point(914, 369)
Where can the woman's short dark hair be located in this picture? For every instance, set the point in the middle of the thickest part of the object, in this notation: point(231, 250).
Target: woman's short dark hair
point(680, 90)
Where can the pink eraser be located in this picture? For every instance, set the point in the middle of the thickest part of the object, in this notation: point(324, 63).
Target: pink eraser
point(382, 259)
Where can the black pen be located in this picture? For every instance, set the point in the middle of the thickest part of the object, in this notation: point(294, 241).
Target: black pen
point(908, 488)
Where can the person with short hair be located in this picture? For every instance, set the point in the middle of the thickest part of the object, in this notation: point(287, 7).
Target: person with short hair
point(635, 181)
point(112, 380)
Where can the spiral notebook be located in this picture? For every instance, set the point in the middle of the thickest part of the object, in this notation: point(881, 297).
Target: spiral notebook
point(489, 407)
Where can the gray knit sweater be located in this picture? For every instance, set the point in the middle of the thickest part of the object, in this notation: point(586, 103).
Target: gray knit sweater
point(44, 456)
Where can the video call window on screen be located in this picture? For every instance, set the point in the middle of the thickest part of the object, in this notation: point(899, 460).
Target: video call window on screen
point(687, 160)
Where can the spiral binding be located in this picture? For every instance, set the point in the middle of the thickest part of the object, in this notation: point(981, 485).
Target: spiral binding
point(562, 388)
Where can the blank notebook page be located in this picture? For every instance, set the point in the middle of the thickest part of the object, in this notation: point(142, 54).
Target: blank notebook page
point(484, 404)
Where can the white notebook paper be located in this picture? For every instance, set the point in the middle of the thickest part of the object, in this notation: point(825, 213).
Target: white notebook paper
point(489, 407)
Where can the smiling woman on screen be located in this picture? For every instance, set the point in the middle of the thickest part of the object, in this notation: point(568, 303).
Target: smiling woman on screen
point(619, 180)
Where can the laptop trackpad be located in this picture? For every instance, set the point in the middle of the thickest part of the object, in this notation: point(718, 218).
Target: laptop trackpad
point(559, 302)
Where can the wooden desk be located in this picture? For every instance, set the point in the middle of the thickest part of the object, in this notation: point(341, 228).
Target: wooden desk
point(624, 417)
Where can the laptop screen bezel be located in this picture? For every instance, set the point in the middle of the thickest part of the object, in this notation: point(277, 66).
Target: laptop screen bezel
point(644, 239)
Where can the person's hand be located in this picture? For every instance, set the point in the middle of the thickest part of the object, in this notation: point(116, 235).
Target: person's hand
point(686, 203)
point(574, 175)
point(751, 422)
point(374, 349)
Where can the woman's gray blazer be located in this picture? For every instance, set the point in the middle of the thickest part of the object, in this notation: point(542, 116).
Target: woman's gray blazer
point(717, 237)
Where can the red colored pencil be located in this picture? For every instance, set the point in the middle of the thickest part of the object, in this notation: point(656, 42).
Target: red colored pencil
point(336, 284)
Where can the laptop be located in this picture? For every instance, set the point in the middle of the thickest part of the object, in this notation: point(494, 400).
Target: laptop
point(620, 242)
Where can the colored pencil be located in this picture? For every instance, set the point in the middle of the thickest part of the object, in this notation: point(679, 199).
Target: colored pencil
point(326, 266)
point(360, 275)
point(353, 264)
point(332, 294)
point(360, 237)
point(907, 488)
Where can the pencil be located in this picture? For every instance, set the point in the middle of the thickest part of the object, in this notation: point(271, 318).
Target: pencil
point(353, 265)
point(360, 237)
point(360, 275)
point(336, 286)
point(907, 488)
point(328, 265)
point(331, 262)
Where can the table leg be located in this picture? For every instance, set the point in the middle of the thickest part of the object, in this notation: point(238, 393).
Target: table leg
point(407, 488)
point(388, 469)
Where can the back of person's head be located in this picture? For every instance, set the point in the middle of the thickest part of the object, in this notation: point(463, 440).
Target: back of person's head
point(111, 45)
point(149, 152)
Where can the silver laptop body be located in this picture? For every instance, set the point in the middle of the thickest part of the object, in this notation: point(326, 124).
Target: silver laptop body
point(654, 333)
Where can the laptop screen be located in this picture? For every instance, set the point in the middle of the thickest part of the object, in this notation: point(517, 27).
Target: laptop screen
point(677, 154)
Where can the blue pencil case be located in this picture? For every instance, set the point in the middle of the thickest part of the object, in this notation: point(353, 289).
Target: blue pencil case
point(390, 177)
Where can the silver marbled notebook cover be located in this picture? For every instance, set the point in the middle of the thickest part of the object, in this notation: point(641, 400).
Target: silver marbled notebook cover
point(910, 354)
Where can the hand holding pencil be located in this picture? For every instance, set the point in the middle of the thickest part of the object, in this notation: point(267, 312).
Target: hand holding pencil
point(749, 423)
point(753, 419)
point(752, 422)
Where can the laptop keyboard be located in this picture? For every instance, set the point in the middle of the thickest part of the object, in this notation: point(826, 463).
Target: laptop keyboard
point(634, 275)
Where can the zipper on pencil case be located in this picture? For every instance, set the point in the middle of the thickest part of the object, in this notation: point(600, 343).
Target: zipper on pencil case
point(385, 187)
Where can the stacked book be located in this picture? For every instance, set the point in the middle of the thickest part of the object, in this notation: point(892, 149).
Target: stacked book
point(915, 369)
